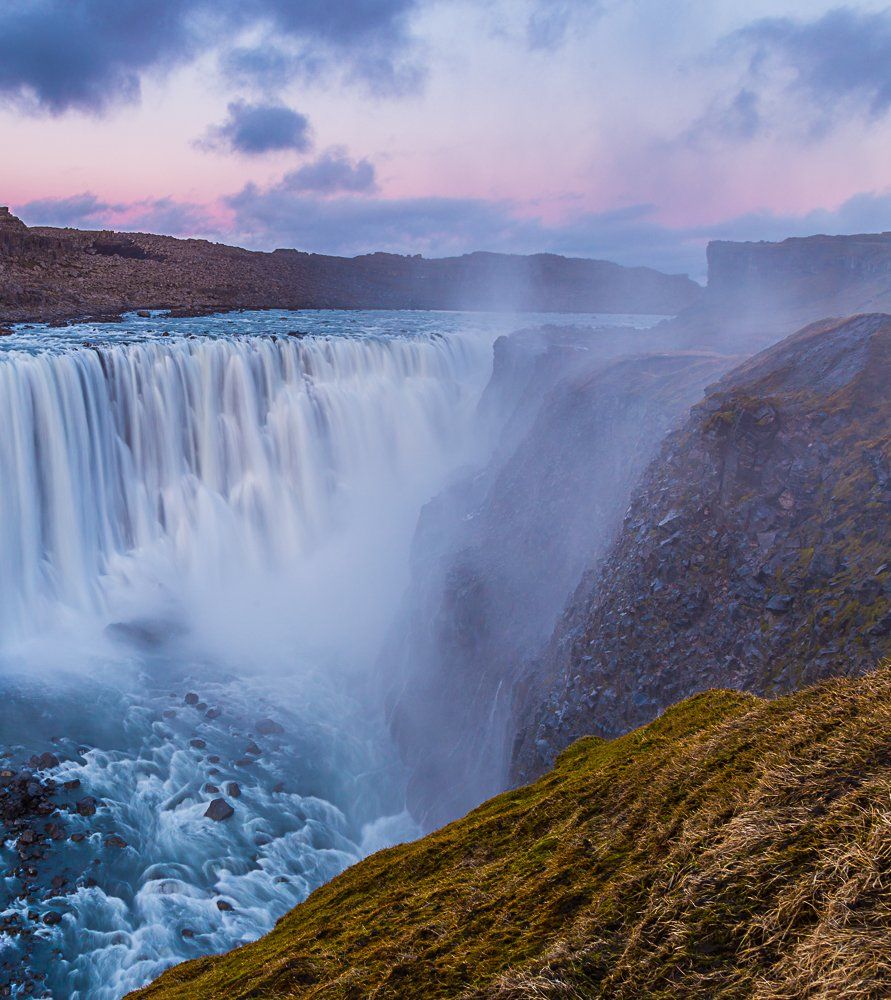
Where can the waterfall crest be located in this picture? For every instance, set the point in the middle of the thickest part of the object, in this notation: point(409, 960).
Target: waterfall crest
point(203, 454)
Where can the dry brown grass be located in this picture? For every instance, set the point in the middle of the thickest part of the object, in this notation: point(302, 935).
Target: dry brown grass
point(733, 848)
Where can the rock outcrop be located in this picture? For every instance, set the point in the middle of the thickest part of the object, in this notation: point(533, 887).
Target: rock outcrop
point(56, 274)
point(497, 556)
point(756, 552)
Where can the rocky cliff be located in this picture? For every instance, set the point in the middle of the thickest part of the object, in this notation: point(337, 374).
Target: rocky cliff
point(56, 274)
point(757, 292)
point(733, 848)
point(498, 555)
point(756, 552)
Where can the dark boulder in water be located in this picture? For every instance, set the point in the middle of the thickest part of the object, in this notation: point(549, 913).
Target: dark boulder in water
point(219, 809)
point(86, 806)
point(233, 789)
point(269, 727)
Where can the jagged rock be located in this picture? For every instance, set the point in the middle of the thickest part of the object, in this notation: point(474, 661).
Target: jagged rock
point(218, 810)
point(233, 789)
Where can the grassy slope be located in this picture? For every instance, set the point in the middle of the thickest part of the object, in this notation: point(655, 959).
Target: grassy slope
point(733, 847)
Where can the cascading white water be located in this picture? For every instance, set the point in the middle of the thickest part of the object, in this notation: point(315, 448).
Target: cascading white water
point(232, 515)
point(225, 454)
point(229, 516)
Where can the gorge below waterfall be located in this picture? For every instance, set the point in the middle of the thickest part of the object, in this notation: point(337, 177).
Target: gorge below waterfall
point(204, 539)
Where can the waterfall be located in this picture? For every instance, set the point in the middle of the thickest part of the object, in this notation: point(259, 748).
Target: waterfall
point(223, 514)
point(198, 458)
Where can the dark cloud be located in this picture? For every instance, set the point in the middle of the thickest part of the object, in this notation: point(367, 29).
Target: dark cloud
point(838, 62)
point(79, 211)
point(87, 54)
point(332, 173)
point(255, 129)
point(153, 215)
point(62, 55)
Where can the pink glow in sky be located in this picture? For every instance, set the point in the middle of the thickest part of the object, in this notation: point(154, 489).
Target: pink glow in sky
point(629, 130)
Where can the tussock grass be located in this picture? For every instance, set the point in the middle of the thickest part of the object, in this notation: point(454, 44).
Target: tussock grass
point(732, 848)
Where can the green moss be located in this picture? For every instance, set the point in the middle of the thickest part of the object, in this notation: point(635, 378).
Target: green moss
point(702, 855)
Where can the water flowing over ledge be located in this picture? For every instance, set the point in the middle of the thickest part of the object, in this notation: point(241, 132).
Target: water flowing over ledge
point(199, 534)
point(245, 451)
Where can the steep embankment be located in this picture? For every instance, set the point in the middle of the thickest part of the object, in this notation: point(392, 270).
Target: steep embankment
point(733, 848)
point(756, 553)
point(498, 555)
point(56, 274)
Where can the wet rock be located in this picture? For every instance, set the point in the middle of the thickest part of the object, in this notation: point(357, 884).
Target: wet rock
point(213, 759)
point(72, 784)
point(213, 713)
point(218, 810)
point(269, 727)
point(233, 789)
point(224, 907)
point(113, 840)
point(191, 698)
point(253, 749)
point(211, 789)
point(169, 713)
point(187, 933)
point(197, 744)
point(44, 761)
point(52, 918)
point(86, 806)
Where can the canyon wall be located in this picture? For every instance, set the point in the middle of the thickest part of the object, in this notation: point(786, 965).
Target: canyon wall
point(754, 554)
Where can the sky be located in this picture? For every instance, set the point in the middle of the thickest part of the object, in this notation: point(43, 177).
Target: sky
point(630, 130)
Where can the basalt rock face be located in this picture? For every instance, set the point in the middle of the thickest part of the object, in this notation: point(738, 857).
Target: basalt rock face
point(756, 552)
point(498, 555)
point(758, 292)
point(55, 274)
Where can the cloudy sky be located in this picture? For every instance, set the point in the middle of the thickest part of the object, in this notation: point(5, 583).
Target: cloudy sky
point(634, 130)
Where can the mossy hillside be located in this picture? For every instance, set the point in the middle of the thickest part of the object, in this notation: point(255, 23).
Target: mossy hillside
point(732, 848)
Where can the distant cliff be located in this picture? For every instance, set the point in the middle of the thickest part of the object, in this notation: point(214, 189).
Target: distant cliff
point(57, 274)
point(757, 292)
point(755, 554)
